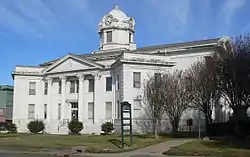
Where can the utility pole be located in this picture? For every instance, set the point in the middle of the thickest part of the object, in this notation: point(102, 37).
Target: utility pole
point(199, 116)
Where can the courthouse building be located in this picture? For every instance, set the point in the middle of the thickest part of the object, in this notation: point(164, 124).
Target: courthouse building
point(89, 87)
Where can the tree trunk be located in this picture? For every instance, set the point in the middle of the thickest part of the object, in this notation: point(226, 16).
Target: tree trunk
point(239, 114)
point(174, 128)
point(208, 121)
point(156, 130)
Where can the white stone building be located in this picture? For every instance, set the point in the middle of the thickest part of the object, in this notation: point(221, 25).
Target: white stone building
point(91, 86)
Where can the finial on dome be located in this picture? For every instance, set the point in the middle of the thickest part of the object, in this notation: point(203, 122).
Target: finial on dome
point(116, 7)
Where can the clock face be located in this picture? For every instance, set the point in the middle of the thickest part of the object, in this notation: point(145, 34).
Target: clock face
point(108, 20)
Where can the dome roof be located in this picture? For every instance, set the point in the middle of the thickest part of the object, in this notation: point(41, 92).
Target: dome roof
point(118, 14)
point(116, 18)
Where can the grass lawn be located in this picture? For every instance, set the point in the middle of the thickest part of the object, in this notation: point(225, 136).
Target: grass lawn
point(91, 143)
point(222, 148)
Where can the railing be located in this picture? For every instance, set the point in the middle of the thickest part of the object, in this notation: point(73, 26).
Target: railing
point(62, 124)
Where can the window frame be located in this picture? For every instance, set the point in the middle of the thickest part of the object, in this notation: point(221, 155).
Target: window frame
point(91, 88)
point(46, 88)
point(45, 111)
point(74, 86)
point(136, 83)
point(31, 113)
point(32, 91)
point(109, 37)
point(106, 111)
point(59, 111)
point(60, 87)
point(108, 83)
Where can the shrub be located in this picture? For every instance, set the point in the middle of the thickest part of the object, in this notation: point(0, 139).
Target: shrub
point(107, 127)
point(75, 126)
point(36, 126)
point(11, 127)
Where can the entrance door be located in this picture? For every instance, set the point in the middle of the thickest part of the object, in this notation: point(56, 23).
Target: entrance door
point(74, 111)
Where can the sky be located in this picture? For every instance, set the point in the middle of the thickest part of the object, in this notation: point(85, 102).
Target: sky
point(36, 31)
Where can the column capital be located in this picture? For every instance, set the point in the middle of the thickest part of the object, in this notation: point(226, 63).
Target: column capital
point(80, 76)
point(63, 78)
point(97, 75)
point(49, 79)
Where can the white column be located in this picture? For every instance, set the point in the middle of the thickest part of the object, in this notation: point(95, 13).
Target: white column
point(63, 97)
point(80, 97)
point(97, 97)
point(85, 102)
point(49, 107)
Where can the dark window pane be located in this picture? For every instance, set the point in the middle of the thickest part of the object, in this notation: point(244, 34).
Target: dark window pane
point(108, 83)
point(72, 86)
point(109, 36)
point(91, 85)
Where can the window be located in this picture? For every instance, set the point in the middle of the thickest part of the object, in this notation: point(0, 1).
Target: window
point(108, 110)
point(74, 86)
point(45, 111)
point(74, 111)
point(31, 111)
point(91, 85)
point(117, 82)
point(137, 80)
point(137, 107)
point(130, 38)
point(74, 105)
point(32, 88)
point(91, 110)
point(60, 87)
point(109, 36)
point(59, 111)
point(77, 86)
point(45, 88)
point(108, 83)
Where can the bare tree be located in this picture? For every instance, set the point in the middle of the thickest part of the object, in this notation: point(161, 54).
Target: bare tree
point(232, 73)
point(153, 101)
point(177, 96)
point(205, 94)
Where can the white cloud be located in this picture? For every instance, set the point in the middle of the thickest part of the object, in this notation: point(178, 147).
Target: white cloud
point(230, 7)
point(43, 18)
point(173, 15)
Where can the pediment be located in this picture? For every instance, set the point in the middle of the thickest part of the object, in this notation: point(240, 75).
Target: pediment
point(71, 63)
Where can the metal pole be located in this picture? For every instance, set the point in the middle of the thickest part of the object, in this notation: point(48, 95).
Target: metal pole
point(199, 125)
point(122, 131)
point(130, 125)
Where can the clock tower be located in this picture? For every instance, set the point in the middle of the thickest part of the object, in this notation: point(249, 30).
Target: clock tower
point(116, 31)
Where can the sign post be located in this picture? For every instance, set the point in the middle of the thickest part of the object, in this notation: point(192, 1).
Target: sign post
point(126, 121)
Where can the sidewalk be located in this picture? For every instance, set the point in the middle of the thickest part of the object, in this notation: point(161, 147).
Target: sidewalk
point(154, 150)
